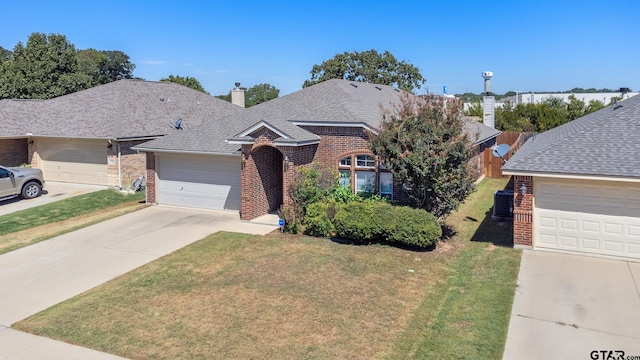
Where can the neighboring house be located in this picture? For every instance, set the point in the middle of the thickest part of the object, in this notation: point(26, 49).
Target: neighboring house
point(581, 184)
point(245, 162)
point(86, 137)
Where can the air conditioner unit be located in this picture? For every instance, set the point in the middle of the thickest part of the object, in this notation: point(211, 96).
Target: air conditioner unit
point(502, 205)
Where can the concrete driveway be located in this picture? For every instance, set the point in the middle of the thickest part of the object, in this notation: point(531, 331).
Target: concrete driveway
point(567, 306)
point(38, 276)
point(53, 191)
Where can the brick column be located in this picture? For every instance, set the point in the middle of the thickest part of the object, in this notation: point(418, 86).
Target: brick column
point(523, 212)
point(151, 177)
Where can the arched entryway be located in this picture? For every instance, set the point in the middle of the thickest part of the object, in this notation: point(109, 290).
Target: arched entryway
point(263, 182)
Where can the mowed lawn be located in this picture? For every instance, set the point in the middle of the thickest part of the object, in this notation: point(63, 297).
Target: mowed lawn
point(234, 296)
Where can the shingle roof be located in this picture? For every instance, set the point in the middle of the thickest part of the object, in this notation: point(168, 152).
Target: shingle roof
point(121, 109)
point(603, 143)
point(330, 102)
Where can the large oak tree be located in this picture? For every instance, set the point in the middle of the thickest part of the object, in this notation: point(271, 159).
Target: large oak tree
point(370, 67)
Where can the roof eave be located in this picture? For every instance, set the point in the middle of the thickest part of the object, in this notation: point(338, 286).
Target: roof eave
point(516, 172)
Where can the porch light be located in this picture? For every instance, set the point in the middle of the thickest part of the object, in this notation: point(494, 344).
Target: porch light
point(523, 189)
point(243, 162)
point(286, 163)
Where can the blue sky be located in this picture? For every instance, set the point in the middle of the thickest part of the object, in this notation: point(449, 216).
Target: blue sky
point(529, 45)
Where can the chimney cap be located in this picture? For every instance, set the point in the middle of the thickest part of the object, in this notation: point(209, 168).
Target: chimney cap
point(237, 85)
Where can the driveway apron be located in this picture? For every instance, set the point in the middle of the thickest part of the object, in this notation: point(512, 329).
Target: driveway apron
point(41, 275)
point(569, 306)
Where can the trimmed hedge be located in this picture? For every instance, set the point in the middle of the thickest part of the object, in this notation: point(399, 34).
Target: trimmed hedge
point(379, 221)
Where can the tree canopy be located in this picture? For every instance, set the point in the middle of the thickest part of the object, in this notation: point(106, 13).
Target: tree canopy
point(255, 95)
point(423, 144)
point(260, 93)
point(370, 67)
point(49, 66)
point(546, 115)
point(187, 81)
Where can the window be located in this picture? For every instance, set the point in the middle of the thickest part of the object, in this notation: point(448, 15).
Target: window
point(365, 182)
point(345, 161)
point(365, 161)
point(4, 173)
point(345, 178)
point(386, 185)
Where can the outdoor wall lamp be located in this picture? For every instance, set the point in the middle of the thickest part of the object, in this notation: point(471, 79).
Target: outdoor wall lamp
point(30, 142)
point(286, 163)
point(243, 162)
point(523, 189)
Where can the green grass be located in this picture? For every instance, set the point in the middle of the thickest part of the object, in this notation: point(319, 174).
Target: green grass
point(64, 209)
point(234, 296)
point(466, 316)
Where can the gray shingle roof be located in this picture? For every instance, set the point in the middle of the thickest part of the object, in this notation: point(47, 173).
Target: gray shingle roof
point(330, 102)
point(121, 109)
point(603, 143)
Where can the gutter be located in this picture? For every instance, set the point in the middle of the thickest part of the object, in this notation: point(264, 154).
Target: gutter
point(141, 149)
point(571, 176)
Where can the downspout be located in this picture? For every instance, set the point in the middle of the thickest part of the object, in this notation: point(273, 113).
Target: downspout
point(119, 167)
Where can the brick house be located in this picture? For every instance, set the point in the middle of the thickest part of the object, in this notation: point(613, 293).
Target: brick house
point(87, 136)
point(577, 186)
point(246, 161)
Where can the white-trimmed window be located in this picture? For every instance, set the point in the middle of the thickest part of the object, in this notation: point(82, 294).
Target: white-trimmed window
point(345, 161)
point(367, 161)
point(345, 178)
point(386, 185)
point(365, 182)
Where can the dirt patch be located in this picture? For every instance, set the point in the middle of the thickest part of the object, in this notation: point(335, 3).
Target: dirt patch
point(36, 234)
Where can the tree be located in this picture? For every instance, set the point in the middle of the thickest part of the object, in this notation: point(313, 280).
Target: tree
point(4, 54)
point(475, 109)
point(370, 67)
point(423, 144)
point(260, 93)
point(45, 68)
point(105, 66)
point(187, 81)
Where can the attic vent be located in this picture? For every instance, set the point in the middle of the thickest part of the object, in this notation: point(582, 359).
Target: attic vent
point(161, 99)
point(354, 85)
point(379, 88)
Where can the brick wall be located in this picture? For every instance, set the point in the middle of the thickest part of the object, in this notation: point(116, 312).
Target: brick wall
point(133, 163)
point(261, 180)
point(151, 177)
point(14, 152)
point(523, 212)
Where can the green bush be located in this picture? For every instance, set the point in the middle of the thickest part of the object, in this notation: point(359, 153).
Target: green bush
point(317, 220)
point(380, 221)
point(292, 219)
point(415, 227)
point(359, 221)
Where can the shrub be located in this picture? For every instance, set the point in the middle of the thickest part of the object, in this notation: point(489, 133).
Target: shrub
point(415, 227)
point(359, 221)
point(318, 218)
point(380, 221)
point(292, 219)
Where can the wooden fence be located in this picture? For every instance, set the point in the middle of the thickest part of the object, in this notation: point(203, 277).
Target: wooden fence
point(491, 165)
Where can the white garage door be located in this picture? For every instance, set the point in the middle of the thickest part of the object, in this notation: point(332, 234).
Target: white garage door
point(79, 161)
point(210, 182)
point(599, 217)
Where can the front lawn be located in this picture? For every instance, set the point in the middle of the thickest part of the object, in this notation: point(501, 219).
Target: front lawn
point(281, 296)
point(26, 227)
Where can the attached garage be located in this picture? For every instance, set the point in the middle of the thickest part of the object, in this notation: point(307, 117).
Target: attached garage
point(74, 160)
point(597, 217)
point(199, 181)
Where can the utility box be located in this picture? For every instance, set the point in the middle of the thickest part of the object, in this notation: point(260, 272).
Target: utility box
point(502, 205)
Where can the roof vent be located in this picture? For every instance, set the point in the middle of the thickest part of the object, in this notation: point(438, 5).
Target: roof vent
point(397, 90)
point(354, 85)
point(379, 88)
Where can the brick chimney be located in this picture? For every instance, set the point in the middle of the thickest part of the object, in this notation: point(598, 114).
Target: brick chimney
point(237, 96)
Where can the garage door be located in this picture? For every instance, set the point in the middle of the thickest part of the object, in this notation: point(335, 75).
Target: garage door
point(597, 217)
point(209, 182)
point(79, 161)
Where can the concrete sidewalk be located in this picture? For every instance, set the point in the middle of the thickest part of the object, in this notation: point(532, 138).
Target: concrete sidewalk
point(567, 306)
point(41, 275)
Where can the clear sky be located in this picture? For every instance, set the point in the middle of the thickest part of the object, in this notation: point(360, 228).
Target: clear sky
point(529, 45)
